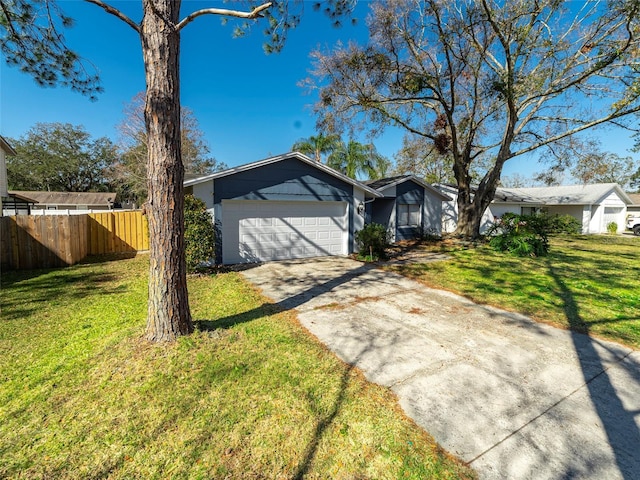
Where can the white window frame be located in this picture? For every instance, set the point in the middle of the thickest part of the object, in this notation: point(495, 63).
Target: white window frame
point(408, 214)
point(532, 210)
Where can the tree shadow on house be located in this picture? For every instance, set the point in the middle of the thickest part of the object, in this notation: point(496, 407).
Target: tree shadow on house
point(618, 422)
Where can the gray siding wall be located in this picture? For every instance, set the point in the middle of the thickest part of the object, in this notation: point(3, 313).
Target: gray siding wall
point(381, 210)
point(432, 214)
point(290, 180)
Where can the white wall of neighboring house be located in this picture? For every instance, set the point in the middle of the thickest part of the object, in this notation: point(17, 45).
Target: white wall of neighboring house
point(3, 177)
point(65, 211)
point(499, 209)
point(613, 210)
point(582, 213)
point(449, 215)
point(594, 218)
point(3, 174)
point(450, 212)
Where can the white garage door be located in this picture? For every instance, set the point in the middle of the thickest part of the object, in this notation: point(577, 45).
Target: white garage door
point(613, 214)
point(260, 231)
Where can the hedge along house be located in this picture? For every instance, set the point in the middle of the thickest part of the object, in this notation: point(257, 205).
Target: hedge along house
point(284, 207)
point(409, 208)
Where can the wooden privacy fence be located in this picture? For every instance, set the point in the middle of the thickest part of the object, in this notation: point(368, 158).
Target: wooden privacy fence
point(29, 241)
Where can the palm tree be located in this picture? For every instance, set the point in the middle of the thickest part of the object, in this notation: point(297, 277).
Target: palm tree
point(354, 157)
point(317, 145)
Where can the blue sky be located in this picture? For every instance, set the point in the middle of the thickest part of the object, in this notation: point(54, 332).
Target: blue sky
point(248, 104)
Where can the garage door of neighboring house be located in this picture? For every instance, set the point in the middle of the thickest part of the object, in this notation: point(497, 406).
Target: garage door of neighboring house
point(259, 231)
point(613, 214)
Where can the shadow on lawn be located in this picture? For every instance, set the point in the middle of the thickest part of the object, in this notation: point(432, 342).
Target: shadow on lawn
point(289, 303)
point(618, 422)
point(323, 420)
point(25, 292)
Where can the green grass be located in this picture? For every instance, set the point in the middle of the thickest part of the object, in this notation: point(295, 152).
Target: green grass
point(589, 284)
point(250, 395)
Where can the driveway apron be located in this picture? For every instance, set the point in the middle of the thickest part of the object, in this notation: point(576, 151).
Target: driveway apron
point(514, 398)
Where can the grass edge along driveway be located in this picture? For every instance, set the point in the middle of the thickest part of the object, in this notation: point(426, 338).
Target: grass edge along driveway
point(587, 283)
point(250, 395)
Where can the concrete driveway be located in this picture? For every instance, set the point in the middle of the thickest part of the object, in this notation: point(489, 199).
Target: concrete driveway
point(514, 398)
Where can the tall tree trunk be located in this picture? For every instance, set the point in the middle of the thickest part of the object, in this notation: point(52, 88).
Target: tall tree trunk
point(168, 304)
point(472, 205)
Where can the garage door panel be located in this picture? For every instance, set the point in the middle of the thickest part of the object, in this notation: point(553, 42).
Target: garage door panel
point(268, 230)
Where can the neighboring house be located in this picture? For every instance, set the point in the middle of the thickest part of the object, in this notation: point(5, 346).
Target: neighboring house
point(450, 211)
point(23, 202)
point(283, 207)
point(5, 149)
point(594, 206)
point(634, 208)
point(410, 207)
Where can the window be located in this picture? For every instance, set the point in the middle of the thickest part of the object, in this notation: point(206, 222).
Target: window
point(529, 210)
point(408, 215)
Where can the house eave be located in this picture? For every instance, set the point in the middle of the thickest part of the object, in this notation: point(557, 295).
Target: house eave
point(279, 158)
point(426, 186)
point(6, 147)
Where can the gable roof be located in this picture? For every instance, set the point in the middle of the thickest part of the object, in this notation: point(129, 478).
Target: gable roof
point(6, 147)
point(562, 195)
point(384, 183)
point(278, 158)
point(65, 198)
point(635, 198)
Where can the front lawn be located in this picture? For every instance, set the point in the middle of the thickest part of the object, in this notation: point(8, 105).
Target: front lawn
point(589, 283)
point(251, 395)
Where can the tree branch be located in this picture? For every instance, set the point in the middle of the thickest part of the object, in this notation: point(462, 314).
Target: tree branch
point(116, 13)
point(255, 13)
point(575, 130)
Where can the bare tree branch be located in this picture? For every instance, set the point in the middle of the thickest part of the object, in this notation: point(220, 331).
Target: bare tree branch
point(115, 12)
point(255, 13)
point(581, 128)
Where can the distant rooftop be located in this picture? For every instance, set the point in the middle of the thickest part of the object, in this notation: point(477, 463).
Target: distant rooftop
point(66, 198)
point(567, 195)
point(635, 198)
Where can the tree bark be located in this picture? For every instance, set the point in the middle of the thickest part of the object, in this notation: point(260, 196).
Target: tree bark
point(168, 304)
point(472, 204)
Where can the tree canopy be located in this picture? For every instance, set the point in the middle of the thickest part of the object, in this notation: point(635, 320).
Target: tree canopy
point(317, 145)
point(485, 81)
point(587, 162)
point(128, 173)
point(60, 157)
point(418, 156)
point(358, 160)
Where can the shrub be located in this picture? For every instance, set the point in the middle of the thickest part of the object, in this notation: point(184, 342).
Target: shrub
point(373, 239)
point(199, 233)
point(563, 224)
point(612, 227)
point(522, 235)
